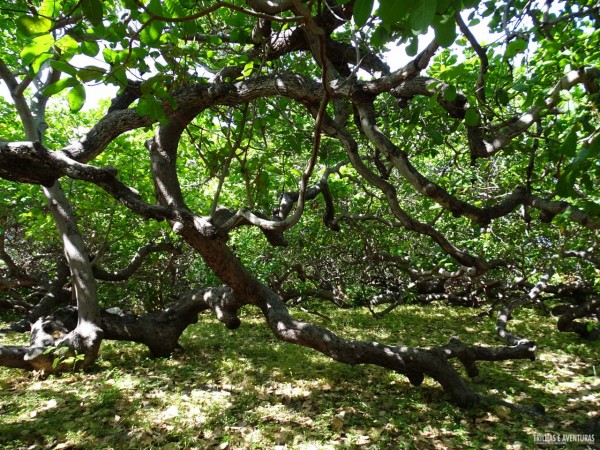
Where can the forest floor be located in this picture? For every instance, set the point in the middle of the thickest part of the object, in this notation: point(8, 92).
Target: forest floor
point(245, 389)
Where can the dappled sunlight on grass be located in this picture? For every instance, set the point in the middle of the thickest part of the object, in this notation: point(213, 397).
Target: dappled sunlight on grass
point(245, 389)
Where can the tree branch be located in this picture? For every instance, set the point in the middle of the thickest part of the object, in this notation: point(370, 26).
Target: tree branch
point(134, 265)
point(482, 148)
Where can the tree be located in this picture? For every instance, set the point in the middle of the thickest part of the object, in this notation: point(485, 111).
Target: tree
point(487, 151)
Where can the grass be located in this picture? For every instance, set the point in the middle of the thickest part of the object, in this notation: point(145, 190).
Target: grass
point(245, 389)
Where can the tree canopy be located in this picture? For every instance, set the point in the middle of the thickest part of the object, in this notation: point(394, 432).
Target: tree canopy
point(284, 149)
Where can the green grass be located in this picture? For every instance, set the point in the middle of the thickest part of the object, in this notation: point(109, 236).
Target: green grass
point(245, 389)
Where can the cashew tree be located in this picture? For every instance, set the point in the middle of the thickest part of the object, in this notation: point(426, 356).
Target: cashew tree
point(395, 151)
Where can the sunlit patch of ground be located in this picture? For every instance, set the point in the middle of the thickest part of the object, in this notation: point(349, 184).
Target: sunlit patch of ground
point(244, 389)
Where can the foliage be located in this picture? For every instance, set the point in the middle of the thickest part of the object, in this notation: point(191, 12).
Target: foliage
point(464, 173)
point(62, 356)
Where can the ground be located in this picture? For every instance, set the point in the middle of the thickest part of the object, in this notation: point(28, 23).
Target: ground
point(245, 389)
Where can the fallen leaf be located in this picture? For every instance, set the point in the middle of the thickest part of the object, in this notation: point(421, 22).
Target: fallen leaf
point(170, 412)
point(337, 424)
point(63, 446)
point(503, 412)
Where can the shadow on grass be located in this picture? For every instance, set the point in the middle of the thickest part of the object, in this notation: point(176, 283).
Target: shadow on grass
point(246, 389)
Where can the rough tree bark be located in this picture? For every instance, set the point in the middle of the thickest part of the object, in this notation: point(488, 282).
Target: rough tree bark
point(590, 330)
point(85, 339)
point(159, 331)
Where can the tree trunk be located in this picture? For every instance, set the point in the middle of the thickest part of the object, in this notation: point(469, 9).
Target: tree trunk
point(209, 241)
point(414, 363)
point(86, 337)
point(161, 331)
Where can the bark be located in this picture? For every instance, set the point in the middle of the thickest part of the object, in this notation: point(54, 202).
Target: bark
point(136, 262)
point(15, 282)
point(287, 200)
point(415, 363)
point(18, 357)
point(16, 305)
point(568, 323)
point(505, 313)
point(160, 331)
point(225, 219)
point(56, 295)
point(87, 336)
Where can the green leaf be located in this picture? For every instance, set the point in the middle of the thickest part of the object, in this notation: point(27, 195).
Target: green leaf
point(362, 11)
point(413, 47)
point(515, 47)
point(450, 93)
point(39, 61)
point(445, 31)
point(90, 73)
point(393, 11)
point(503, 97)
point(61, 84)
point(90, 48)
point(64, 67)
point(36, 47)
point(33, 26)
point(151, 33)
point(155, 84)
point(564, 186)
point(236, 19)
point(67, 44)
point(50, 8)
point(520, 87)
point(432, 102)
point(595, 147)
point(569, 145)
point(110, 56)
point(421, 15)
point(117, 77)
point(248, 68)
point(472, 117)
point(380, 36)
point(76, 97)
point(436, 137)
point(92, 11)
point(151, 107)
point(173, 8)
